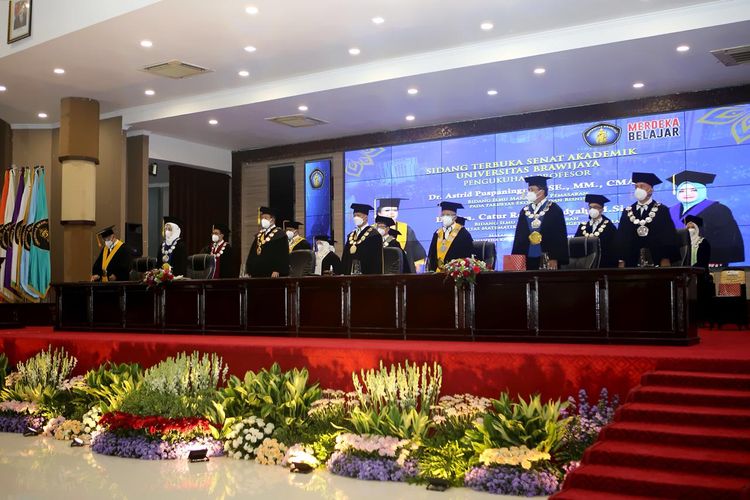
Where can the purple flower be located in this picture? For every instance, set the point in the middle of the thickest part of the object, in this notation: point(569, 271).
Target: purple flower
point(372, 469)
point(504, 480)
point(144, 448)
point(17, 422)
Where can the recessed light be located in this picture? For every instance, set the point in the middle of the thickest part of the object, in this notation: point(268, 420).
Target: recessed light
point(303, 108)
point(378, 20)
point(244, 73)
point(413, 91)
point(213, 122)
point(250, 48)
point(486, 26)
point(539, 71)
point(354, 51)
point(59, 71)
point(149, 92)
point(638, 85)
point(410, 118)
point(492, 92)
point(2, 88)
point(42, 115)
point(683, 48)
point(146, 44)
point(252, 10)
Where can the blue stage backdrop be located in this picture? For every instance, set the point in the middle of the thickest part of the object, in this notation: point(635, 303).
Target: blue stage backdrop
point(485, 174)
point(317, 198)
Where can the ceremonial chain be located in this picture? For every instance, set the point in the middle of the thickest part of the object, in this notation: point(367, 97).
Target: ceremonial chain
point(641, 223)
point(598, 231)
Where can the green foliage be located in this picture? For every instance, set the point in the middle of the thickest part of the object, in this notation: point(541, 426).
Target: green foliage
point(47, 369)
point(324, 446)
point(449, 461)
point(533, 424)
point(3, 369)
point(390, 421)
point(107, 386)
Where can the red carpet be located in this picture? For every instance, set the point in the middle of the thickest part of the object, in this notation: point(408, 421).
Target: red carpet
point(683, 433)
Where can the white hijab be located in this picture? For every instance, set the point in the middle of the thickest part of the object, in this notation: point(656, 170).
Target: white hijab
point(176, 231)
point(320, 255)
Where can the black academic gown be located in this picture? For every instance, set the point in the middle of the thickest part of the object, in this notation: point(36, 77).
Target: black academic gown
point(226, 263)
point(273, 257)
point(719, 226)
point(331, 262)
point(661, 240)
point(178, 259)
point(302, 244)
point(607, 240)
point(413, 248)
point(369, 252)
point(705, 286)
point(554, 235)
point(119, 266)
point(407, 267)
point(461, 247)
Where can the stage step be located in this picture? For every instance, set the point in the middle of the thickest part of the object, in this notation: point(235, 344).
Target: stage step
point(683, 414)
point(583, 494)
point(674, 378)
point(670, 434)
point(732, 398)
point(731, 366)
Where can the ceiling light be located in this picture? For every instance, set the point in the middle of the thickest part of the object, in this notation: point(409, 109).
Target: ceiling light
point(59, 71)
point(410, 118)
point(486, 26)
point(250, 48)
point(492, 92)
point(540, 71)
point(244, 73)
point(638, 85)
point(413, 91)
point(683, 48)
point(303, 108)
point(354, 51)
point(149, 92)
point(146, 44)
point(2, 88)
point(252, 10)
point(42, 115)
point(378, 20)
point(213, 122)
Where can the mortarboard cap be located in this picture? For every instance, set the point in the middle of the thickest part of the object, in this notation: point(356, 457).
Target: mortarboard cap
point(389, 202)
point(692, 176)
point(173, 220)
point(646, 177)
point(223, 228)
point(361, 208)
point(596, 198)
point(698, 221)
point(449, 205)
point(324, 237)
point(267, 211)
point(461, 221)
point(292, 224)
point(106, 232)
point(385, 220)
point(394, 232)
point(539, 181)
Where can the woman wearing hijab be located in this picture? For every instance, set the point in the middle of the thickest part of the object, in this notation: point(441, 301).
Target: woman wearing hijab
point(172, 250)
point(700, 256)
point(326, 261)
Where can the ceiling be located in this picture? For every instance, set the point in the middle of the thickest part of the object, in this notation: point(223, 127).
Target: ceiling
point(592, 53)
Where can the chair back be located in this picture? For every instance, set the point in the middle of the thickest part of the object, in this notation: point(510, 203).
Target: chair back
point(683, 237)
point(585, 252)
point(140, 266)
point(485, 251)
point(201, 266)
point(301, 263)
point(393, 260)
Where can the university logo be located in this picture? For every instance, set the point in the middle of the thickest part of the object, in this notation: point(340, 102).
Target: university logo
point(316, 178)
point(602, 134)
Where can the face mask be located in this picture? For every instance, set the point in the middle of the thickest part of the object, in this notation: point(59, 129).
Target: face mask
point(167, 233)
point(531, 196)
point(289, 235)
point(447, 220)
point(640, 194)
point(358, 221)
point(215, 238)
point(265, 223)
point(693, 232)
point(382, 231)
point(321, 247)
point(110, 244)
point(594, 213)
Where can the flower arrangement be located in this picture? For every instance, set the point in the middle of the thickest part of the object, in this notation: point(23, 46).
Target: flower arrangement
point(270, 452)
point(68, 430)
point(159, 276)
point(452, 415)
point(245, 437)
point(507, 480)
point(91, 419)
point(381, 446)
point(514, 455)
point(300, 454)
point(464, 271)
point(48, 368)
point(51, 426)
point(155, 426)
point(145, 448)
point(16, 416)
point(372, 469)
point(332, 406)
point(586, 420)
point(26, 407)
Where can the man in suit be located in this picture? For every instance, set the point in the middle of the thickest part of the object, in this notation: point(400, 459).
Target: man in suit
point(600, 226)
point(221, 249)
point(113, 263)
point(296, 241)
point(173, 250)
point(269, 253)
point(363, 251)
point(451, 241)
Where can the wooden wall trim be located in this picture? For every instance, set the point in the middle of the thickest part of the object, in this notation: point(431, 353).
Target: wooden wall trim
point(236, 211)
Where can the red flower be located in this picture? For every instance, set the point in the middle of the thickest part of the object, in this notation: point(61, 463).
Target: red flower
point(477, 269)
point(466, 274)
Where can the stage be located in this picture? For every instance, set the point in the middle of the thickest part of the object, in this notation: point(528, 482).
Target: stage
point(554, 370)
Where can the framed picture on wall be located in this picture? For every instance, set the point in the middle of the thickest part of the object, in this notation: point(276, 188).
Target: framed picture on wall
point(19, 20)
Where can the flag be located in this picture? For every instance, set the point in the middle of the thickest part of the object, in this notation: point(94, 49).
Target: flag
point(7, 235)
point(20, 222)
point(3, 201)
point(25, 244)
point(40, 272)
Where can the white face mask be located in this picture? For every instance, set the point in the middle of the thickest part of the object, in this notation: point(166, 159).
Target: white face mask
point(110, 244)
point(447, 220)
point(290, 234)
point(531, 196)
point(383, 231)
point(168, 234)
point(265, 223)
point(693, 231)
point(594, 213)
point(215, 238)
point(358, 221)
point(640, 194)
point(322, 247)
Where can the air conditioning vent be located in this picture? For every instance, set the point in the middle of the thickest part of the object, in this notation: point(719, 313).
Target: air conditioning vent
point(296, 121)
point(175, 69)
point(734, 56)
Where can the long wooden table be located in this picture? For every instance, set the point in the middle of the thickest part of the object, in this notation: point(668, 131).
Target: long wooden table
point(598, 306)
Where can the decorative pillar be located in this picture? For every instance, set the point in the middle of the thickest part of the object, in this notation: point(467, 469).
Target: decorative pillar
point(79, 155)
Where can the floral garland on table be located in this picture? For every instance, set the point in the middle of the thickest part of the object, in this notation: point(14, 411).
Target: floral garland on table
point(464, 271)
point(160, 276)
point(599, 230)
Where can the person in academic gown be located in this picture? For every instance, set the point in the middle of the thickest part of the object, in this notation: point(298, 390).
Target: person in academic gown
point(386, 229)
point(541, 228)
point(269, 252)
point(719, 224)
point(600, 226)
point(363, 249)
point(221, 249)
point(172, 251)
point(113, 263)
point(646, 225)
point(451, 241)
point(326, 260)
point(415, 253)
point(296, 241)
point(700, 257)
